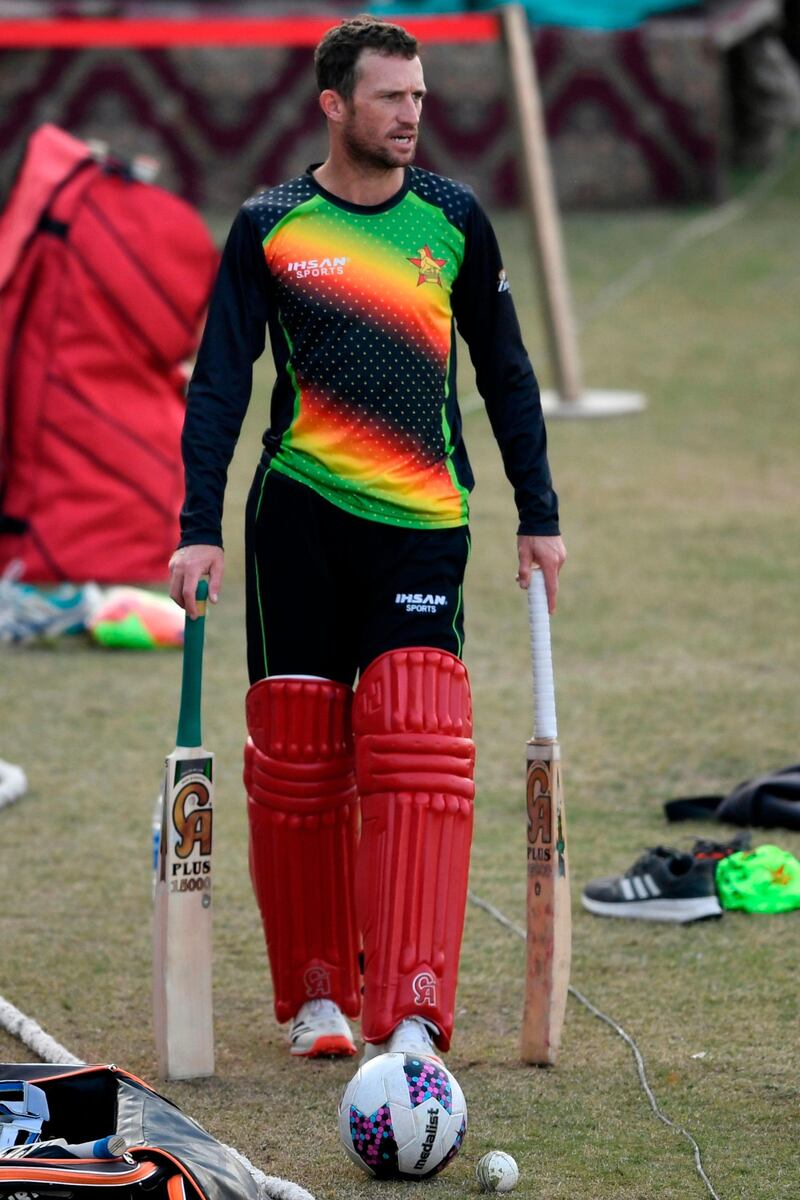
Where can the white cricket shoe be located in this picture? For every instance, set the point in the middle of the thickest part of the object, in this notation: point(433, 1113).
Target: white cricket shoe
point(319, 1029)
point(413, 1035)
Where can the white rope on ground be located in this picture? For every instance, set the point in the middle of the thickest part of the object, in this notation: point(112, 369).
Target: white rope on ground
point(13, 783)
point(34, 1037)
point(626, 1037)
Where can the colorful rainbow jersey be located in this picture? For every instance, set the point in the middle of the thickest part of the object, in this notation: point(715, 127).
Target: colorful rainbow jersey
point(362, 305)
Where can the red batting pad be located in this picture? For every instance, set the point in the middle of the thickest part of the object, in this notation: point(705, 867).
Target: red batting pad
point(415, 760)
point(303, 814)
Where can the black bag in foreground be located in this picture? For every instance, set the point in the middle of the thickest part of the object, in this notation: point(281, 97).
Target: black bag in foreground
point(169, 1157)
point(769, 802)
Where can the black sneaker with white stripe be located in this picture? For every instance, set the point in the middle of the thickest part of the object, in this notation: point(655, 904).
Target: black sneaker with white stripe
point(662, 885)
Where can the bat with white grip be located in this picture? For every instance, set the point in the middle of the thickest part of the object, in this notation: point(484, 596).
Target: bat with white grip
point(549, 922)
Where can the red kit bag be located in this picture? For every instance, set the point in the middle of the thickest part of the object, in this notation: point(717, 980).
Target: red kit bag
point(104, 280)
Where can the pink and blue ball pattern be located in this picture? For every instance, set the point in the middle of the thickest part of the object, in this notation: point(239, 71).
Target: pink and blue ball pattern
point(427, 1081)
point(373, 1139)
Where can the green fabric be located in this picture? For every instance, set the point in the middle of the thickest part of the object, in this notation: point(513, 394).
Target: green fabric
point(590, 14)
point(765, 880)
point(129, 633)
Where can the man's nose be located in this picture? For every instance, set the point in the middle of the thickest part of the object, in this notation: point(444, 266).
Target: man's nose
point(409, 112)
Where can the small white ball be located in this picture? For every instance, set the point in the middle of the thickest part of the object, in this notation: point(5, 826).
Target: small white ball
point(497, 1172)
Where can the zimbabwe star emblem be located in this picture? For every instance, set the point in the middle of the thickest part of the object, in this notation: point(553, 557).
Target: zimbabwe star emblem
point(430, 268)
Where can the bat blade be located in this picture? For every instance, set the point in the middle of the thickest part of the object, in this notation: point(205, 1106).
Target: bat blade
point(549, 921)
point(182, 926)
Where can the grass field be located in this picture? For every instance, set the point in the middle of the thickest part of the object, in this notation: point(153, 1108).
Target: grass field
point(676, 646)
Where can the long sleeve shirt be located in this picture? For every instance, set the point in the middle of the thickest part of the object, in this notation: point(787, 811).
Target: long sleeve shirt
point(361, 306)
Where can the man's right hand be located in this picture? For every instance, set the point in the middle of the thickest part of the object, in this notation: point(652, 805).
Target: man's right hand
point(187, 566)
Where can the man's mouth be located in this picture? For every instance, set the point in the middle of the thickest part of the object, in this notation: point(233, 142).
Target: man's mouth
point(404, 139)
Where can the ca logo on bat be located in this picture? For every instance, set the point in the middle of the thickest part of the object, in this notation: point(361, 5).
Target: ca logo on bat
point(540, 813)
point(193, 817)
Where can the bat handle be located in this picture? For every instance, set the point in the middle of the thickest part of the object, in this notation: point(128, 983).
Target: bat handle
point(189, 720)
point(544, 696)
point(113, 1146)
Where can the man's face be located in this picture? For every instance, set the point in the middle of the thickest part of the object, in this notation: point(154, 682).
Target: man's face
point(382, 116)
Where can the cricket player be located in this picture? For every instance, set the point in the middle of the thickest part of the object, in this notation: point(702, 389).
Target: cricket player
point(360, 801)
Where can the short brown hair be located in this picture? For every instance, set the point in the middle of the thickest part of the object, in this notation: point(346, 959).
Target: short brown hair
point(336, 56)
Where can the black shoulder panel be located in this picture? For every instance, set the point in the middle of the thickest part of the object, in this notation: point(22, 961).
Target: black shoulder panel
point(271, 205)
point(456, 200)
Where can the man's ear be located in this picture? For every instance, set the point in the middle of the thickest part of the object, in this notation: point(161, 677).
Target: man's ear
point(333, 105)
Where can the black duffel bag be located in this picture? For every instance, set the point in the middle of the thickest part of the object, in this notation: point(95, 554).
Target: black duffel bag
point(169, 1156)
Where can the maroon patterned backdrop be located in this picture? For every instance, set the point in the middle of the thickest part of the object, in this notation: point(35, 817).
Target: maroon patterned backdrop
point(634, 117)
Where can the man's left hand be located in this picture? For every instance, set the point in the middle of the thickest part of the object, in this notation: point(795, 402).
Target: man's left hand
point(549, 553)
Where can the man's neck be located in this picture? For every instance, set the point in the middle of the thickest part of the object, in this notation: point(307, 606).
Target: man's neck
point(356, 185)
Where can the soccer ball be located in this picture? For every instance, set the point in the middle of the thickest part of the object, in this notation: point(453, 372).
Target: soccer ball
point(402, 1116)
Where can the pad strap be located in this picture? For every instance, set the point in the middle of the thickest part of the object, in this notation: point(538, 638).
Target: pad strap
point(303, 817)
point(414, 763)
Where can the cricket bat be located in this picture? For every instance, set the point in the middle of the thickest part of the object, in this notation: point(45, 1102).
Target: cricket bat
point(182, 999)
point(549, 922)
